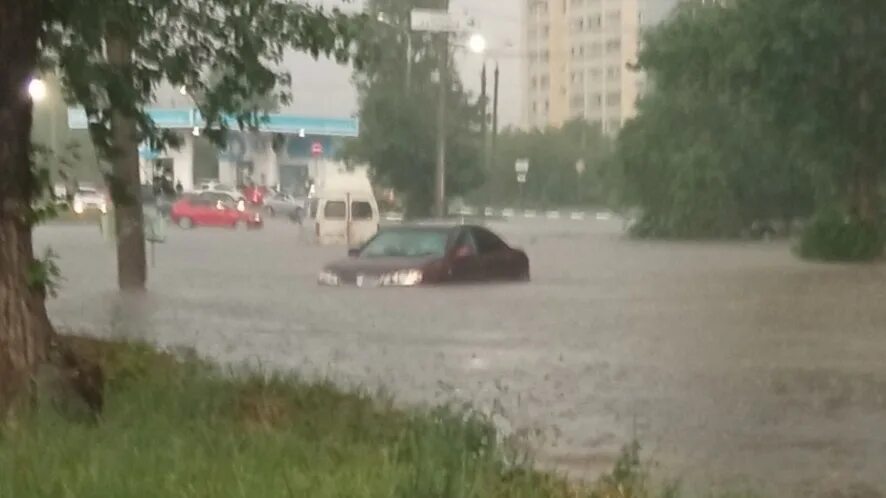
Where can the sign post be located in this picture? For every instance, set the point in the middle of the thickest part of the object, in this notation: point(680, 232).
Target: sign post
point(521, 167)
point(155, 231)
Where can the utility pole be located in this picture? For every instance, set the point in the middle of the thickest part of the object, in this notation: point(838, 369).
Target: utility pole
point(409, 56)
point(440, 171)
point(484, 126)
point(494, 115)
point(483, 105)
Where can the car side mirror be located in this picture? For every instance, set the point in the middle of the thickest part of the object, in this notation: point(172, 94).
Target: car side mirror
point(354, 253)
point(462, 252)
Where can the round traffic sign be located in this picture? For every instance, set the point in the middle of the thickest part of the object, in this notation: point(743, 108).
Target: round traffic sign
point(317, 148)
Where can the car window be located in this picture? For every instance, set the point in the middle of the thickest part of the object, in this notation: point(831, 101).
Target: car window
point(361, 210)
point(227, 202)
point(334, 210)
point(488, 242)
point(407, 243)
point(202, 200)
point(466, 238)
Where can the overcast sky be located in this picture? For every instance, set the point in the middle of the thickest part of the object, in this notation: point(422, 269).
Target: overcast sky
point(324, 88)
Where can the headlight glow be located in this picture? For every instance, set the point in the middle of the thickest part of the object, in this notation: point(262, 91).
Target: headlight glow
point(327, 277)
point(402, 278)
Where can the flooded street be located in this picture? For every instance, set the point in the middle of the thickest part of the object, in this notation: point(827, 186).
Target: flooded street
point(732, 364)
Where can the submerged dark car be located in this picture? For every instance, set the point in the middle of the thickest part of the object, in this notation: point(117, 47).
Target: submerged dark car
point(406, 256)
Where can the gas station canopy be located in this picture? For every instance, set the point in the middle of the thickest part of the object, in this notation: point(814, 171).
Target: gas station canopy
point(187, 118)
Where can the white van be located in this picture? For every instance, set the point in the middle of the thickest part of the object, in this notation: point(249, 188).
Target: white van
point(340, 217)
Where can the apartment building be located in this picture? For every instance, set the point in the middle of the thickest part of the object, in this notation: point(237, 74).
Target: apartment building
point(578, 53)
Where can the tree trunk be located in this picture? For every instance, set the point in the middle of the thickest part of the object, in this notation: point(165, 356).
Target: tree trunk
point(24, 326)
point(125, 180)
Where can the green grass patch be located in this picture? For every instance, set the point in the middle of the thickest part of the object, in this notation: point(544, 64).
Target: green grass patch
point(175, 426)
point(834, 237)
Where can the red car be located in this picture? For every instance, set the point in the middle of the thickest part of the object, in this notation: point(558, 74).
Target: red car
point(255, 194)
point(213, 209)
point(406, 256)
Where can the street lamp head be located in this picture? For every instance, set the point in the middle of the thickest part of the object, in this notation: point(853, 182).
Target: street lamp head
point(477, 43)
point(37, 89)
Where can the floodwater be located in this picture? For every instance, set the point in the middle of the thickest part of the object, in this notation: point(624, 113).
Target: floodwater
point(735, 365)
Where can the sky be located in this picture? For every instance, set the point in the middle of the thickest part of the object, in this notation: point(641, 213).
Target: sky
point(323, 88)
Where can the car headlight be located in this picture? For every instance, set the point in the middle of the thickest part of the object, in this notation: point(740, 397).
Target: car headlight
point(327, 277)
point(402, 278)
point(78, 206)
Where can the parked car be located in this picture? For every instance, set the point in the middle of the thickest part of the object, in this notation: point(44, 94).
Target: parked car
point(339, 217)
point(283, 204)
point(88, 198)
point(410, 255)
point(221, 188)
point(213, 209)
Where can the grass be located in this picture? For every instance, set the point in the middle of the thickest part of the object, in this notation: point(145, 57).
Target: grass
point(176, 427)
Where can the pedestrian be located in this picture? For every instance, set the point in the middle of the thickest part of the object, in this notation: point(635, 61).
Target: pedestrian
point(179, 190)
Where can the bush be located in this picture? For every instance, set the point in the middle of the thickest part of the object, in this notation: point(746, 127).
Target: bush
point(708, 226)
point(832, 236)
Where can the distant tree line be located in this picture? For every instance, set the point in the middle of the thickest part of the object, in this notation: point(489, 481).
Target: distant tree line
point(567, 167)
point(762, 110)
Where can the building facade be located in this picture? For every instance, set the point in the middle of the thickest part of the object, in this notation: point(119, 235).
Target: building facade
point(286, 150)
point(578, 58)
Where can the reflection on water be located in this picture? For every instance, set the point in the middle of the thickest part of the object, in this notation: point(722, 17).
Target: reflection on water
point(732, 363)
point(130, 316)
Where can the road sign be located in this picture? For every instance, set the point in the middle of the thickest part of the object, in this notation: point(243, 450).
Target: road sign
point(521, 177)
point(437, 21)
point(316, 149)
point(521, 166)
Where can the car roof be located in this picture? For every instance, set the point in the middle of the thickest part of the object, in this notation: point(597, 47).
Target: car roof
point(436, 226)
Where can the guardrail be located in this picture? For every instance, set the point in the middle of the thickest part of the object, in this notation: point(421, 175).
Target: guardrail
point(528, 214)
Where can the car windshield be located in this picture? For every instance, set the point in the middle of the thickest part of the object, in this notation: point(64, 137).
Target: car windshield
point(407, 243)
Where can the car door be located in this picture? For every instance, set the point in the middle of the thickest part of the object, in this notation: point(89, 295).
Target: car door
point(229, 214)
point(363, 220)
point(201, 209)
point(213, 209)
point(332, 221)
point(495, 256)
point(465, 263)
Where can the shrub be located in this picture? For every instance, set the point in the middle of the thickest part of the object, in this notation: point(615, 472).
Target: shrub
point(832, 236)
